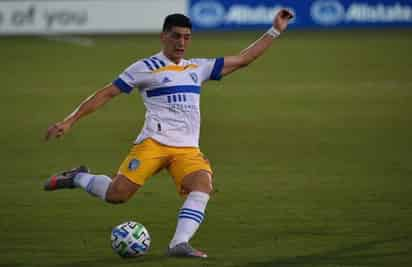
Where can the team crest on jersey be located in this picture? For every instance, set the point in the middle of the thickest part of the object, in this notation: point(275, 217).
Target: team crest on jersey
point(133, 164)
point(194, 77)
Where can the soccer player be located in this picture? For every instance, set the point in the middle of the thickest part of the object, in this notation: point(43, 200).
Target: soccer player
point(170, 88)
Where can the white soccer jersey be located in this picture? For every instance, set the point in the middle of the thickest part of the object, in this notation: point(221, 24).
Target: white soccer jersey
point(171, 95)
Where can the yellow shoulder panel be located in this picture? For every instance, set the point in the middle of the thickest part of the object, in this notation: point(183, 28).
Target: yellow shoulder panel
point(176, 68)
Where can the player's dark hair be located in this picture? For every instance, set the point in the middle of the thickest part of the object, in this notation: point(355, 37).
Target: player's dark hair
point(178, 20)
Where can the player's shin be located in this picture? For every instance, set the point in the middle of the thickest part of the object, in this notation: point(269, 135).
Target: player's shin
point(190, 217)
point(96, 185)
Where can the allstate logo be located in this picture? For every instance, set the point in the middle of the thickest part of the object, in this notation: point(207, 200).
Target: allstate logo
point(327, 12)
point(208, 13)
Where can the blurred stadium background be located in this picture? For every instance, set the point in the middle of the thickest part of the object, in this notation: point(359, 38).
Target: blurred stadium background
point(311, 144)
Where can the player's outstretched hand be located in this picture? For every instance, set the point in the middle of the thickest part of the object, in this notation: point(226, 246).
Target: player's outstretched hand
point(281, 20)
point(57, 130)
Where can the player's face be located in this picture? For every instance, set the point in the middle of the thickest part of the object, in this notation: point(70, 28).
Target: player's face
point(175, 42)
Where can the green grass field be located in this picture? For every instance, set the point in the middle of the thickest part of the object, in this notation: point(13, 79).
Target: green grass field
point(311, 147)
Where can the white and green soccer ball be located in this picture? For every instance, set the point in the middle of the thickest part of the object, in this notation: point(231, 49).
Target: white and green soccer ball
point(130, 239)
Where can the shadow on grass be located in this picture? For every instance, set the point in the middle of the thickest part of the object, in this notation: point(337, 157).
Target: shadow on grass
point(147, 260)
point(354, 255)
point(117, 261)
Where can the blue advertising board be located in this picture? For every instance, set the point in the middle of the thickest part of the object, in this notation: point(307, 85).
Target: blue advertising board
point(250, 14)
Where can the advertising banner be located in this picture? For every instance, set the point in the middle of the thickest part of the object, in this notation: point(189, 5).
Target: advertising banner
point(250, 14)
point(48, 17)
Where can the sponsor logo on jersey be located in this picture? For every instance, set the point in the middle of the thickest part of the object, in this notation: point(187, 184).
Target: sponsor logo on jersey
point(176, 98)
point(166, 80)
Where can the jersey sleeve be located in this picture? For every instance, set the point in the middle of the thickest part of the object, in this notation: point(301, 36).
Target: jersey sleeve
point(133, 76)
point(211, 69)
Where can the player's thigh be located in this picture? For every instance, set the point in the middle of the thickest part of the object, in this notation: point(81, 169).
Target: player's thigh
point(142, 162)
point(188, 169)
point(132, 175)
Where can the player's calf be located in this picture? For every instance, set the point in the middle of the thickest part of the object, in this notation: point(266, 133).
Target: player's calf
point(121, 190)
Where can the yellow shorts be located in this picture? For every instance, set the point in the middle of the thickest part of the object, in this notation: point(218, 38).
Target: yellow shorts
point(149, 157)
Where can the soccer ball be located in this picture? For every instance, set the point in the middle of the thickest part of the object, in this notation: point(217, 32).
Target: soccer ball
point(130, 239)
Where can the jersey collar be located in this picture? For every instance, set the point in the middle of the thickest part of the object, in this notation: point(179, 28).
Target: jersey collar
point(163, 57)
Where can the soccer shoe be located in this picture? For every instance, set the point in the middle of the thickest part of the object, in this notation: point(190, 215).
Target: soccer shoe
point(64, 179)
point(185, 250)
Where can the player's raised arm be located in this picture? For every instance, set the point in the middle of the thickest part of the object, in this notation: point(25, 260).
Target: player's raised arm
point(89, 105)
point(256, 49)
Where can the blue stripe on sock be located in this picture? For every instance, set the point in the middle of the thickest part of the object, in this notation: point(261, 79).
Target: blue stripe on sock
point(190, 218)
point(194, 211)
point(191, 214)
point(90, 184)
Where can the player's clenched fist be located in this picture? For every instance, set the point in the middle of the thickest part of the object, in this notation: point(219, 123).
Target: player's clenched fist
point(281, 20)
point(58, 129)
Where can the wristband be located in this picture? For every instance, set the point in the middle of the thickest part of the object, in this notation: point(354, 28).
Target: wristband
point(273, 32)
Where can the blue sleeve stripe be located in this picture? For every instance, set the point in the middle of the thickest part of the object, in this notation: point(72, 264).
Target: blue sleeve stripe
point(217, 69)
point(148, 64)
point(155, 63)
point(160, 61)
point(173, 90)
point(122, 85)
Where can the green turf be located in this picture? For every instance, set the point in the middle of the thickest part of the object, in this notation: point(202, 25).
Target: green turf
point(311, 147)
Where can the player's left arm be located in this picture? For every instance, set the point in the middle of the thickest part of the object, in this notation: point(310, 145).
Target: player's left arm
point(256, 49)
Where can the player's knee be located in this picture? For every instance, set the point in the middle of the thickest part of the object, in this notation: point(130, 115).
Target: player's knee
point(117, 198)
point(200, 181)
point(114, 196)
point(205, 185)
